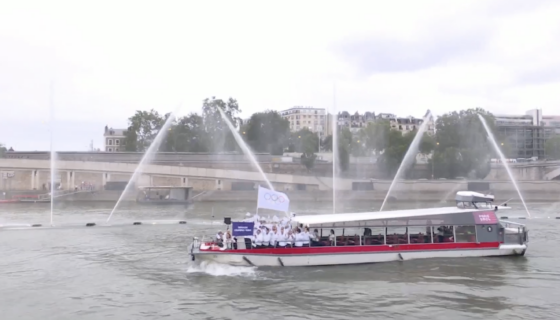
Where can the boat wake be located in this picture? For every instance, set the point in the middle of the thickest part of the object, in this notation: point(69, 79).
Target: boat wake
point(221, 270)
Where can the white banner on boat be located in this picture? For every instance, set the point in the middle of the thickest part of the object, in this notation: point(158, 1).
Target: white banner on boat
point(272, 200)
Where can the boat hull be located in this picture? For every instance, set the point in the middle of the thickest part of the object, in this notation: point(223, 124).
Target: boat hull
point(354, 255)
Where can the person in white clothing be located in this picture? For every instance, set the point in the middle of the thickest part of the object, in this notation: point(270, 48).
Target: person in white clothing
point(306, 237)
point(274, 237)
point(282, 238)
point(267, 237)
point(259, 239)
point(299, 238)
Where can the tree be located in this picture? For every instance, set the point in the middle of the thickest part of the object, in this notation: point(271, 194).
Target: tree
point(142, 130)
point(2, 150)
point(220, 135)
point(188, 135)
point(375, 136)
point(552, 147)
point(462, 145)
point(305, 141)
point(308, 160)
point(267, 132)
point(344, 148)
point(326, 144)
point(393, 155)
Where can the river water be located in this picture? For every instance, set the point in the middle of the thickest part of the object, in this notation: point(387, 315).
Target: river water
point(144, 272)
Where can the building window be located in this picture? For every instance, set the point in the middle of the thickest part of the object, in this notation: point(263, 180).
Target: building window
point(110, 150)
point(117, 142)
point(110, 142)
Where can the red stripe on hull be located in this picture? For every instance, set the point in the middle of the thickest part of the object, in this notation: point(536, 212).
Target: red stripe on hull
point(364, 249)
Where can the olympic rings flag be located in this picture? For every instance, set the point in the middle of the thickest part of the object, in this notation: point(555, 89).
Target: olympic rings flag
point(273, 200)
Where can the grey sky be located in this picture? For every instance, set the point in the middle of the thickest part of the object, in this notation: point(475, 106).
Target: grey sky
point(110, 58)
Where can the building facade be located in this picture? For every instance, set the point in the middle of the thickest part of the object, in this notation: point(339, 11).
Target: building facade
point(358, 121)
point(114, 140)
point(525, 135)
point(355, 122)
point(314, 119)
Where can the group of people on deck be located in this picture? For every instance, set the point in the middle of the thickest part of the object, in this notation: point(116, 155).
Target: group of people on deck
point(284, 237)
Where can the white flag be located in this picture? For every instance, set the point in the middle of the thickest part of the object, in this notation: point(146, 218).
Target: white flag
point(272, 200)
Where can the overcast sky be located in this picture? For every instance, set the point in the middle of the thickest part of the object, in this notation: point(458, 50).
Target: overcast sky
point(110, 58)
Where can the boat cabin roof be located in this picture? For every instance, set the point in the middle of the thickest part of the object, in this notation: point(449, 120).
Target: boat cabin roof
point(430, 216)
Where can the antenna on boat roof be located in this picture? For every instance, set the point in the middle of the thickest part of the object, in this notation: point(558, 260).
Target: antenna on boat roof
point(212, 220)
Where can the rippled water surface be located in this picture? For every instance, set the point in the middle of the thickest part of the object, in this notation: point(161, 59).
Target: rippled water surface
point(144, 272)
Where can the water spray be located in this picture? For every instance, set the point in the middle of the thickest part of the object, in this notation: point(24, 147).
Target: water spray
point(245, 148)
point(503, 160)
point(154, 146)
point(411, 152)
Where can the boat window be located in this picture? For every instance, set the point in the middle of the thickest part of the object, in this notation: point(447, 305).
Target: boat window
point(397, 235)
point(443, 234)
point(374, 236)
point(465, 234)
point(419, 234)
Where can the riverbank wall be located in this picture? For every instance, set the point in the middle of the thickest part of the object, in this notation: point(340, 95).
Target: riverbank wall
point(407, 190)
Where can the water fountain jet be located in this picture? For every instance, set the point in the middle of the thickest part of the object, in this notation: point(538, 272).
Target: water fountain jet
point(410, 153)
point(245, 147)
point(334, 121)
point(154, 146)
point(53, 154)
point(503, 160)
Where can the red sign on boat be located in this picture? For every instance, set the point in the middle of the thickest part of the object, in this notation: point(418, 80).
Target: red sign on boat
point(485, 217)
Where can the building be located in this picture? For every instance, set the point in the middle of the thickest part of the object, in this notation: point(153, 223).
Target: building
point(410, 123)
point(525, 135)
point(114, 140)
point(356, 121)
point(314, 119)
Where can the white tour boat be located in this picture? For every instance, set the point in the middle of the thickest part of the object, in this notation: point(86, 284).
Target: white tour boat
point(470, 229)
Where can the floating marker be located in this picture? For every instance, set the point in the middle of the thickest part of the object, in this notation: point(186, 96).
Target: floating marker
point(182, 222)
point(37, 225)
point(90, 224)
point(136, 223)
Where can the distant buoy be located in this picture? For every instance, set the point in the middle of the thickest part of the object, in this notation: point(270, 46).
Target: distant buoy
point(182, 222)
point(36, 225)
point(504, 218)
point(136, 223)
point(90, 224)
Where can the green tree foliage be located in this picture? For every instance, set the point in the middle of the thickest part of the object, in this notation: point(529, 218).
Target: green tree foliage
point(2, 150)
point(308, 160)
point(267, 132)
point(344, 148)
point(304, 141)
point(375, 136)
point(462, 147)
point(552, 148)
point(393, 155)
point(193, 133)
point(188, 135)
point(326, 144)
point(142, 130)
point(220, 136)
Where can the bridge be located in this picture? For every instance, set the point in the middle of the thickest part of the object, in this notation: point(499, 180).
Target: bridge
point(25, 174)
